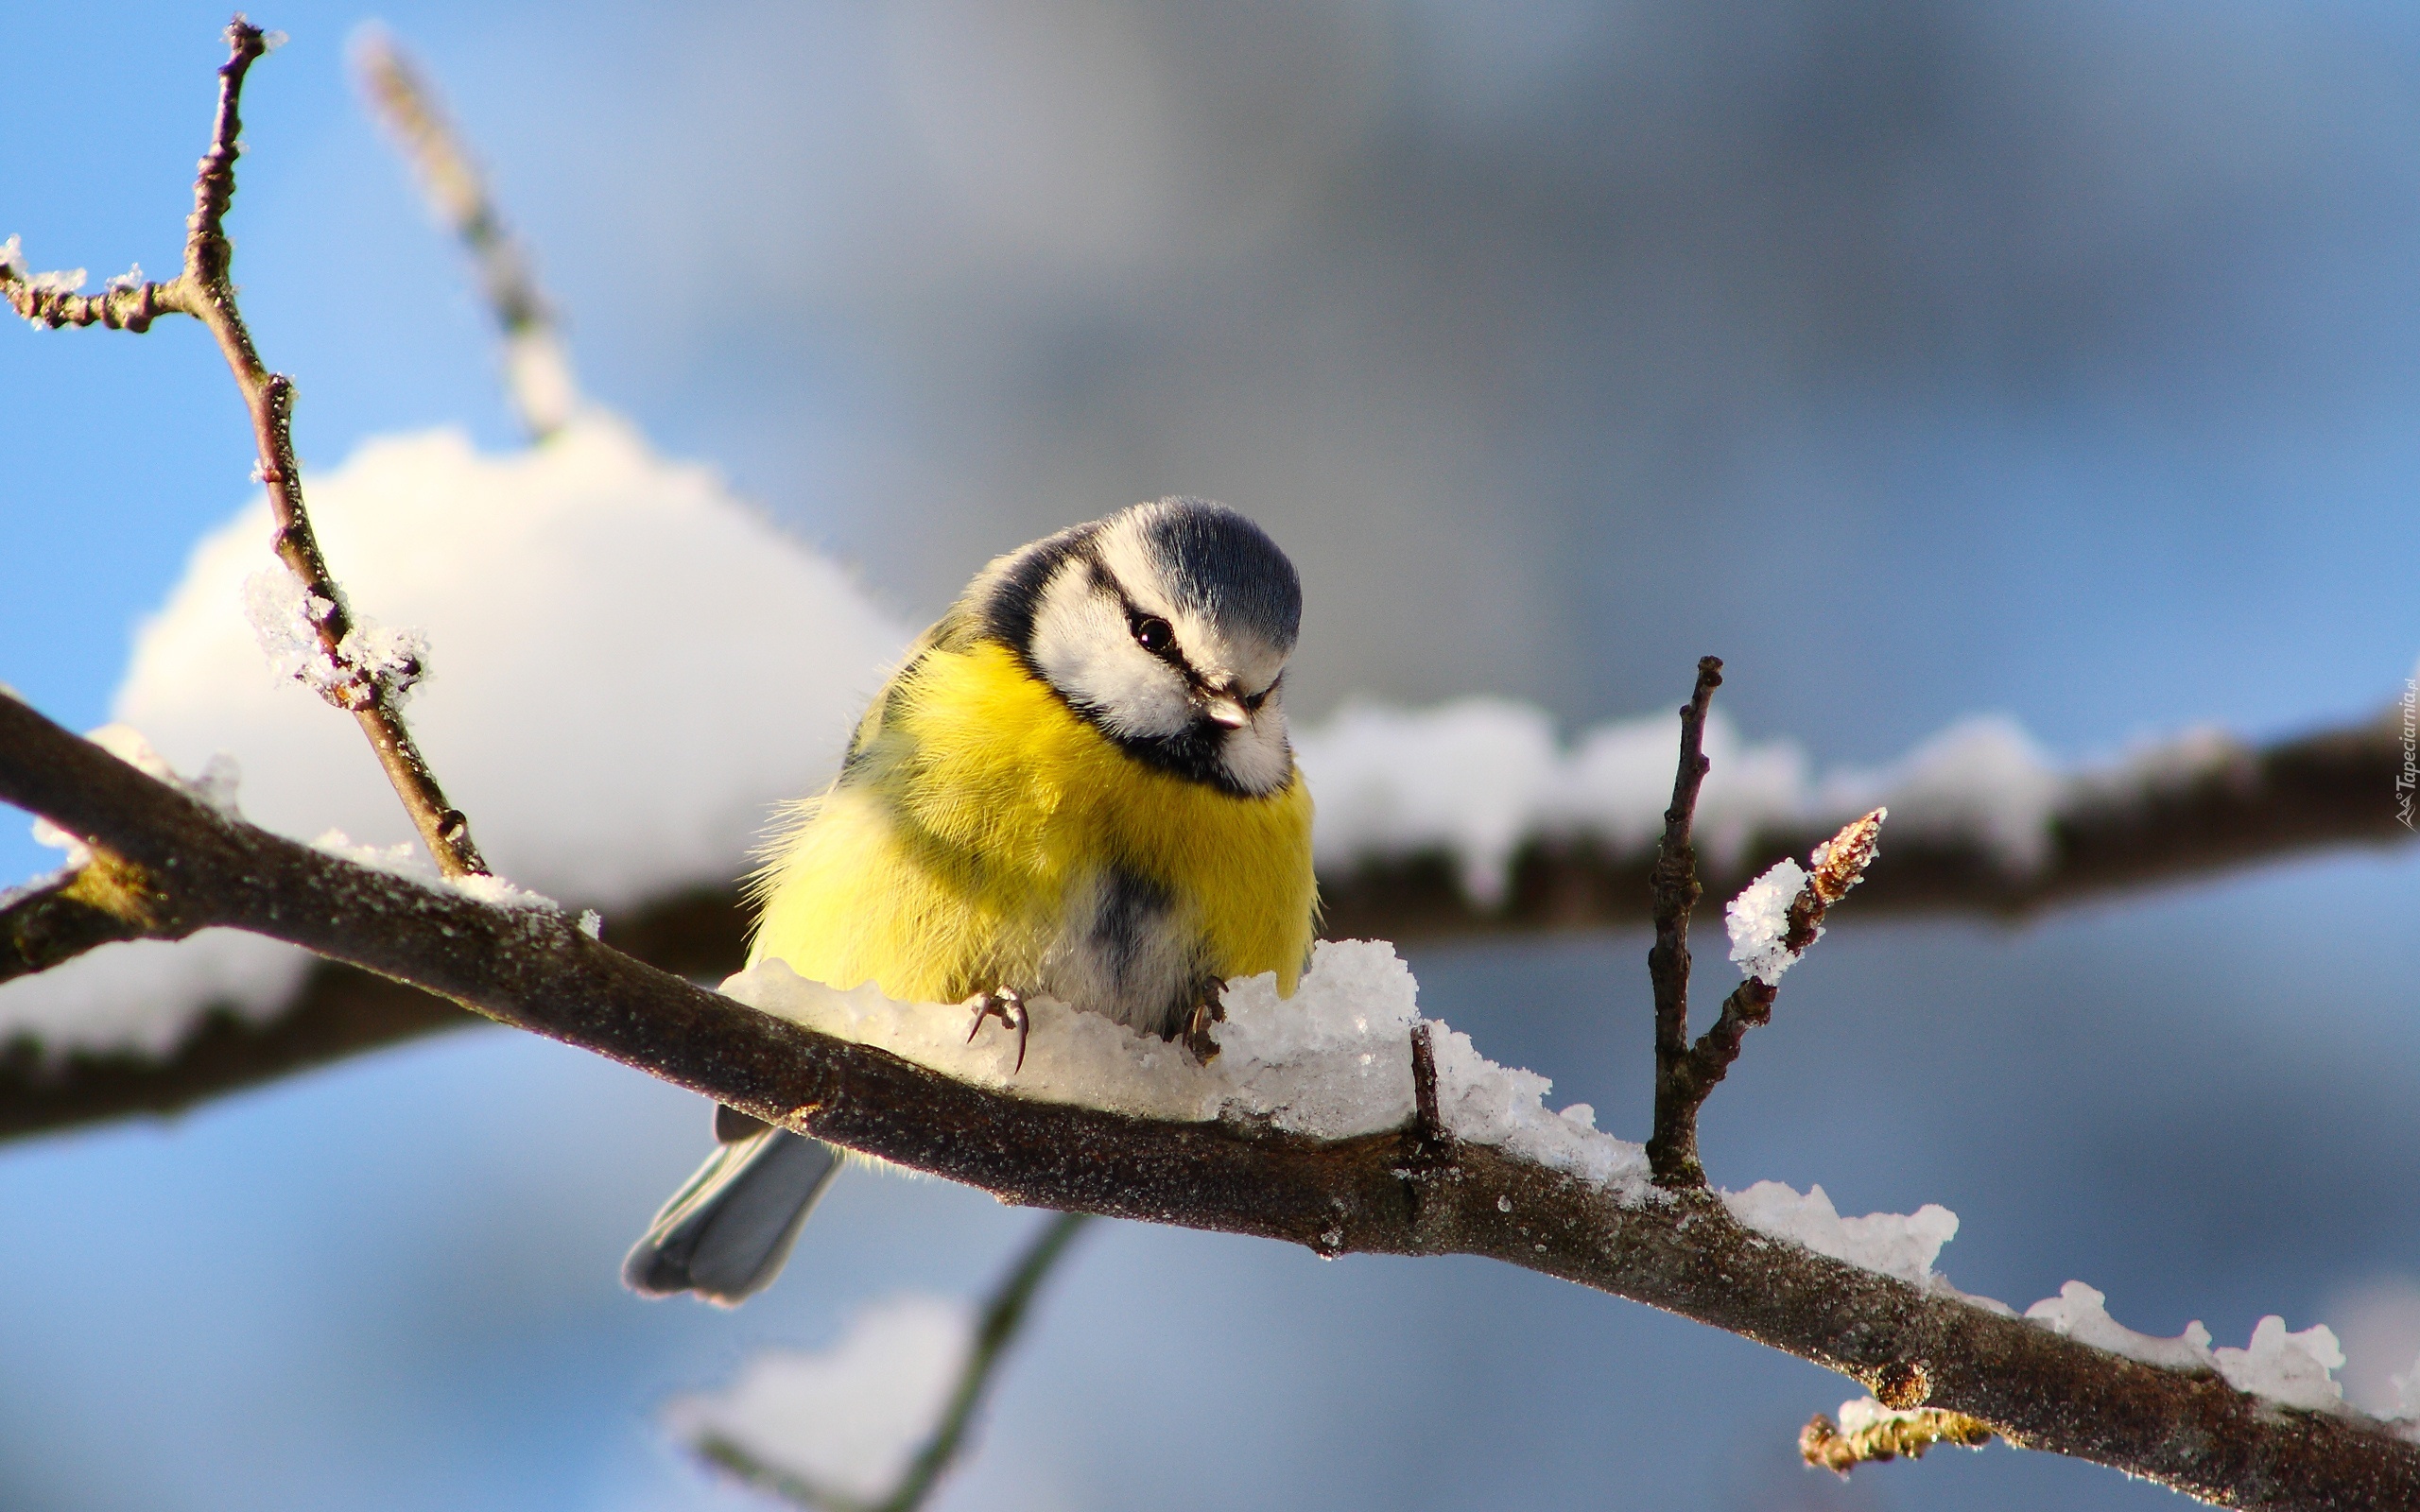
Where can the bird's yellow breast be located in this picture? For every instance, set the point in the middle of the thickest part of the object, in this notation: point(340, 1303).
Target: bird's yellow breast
point(978, 809)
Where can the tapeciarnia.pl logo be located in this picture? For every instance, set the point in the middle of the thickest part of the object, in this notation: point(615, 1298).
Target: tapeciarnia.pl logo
point(2406, 780)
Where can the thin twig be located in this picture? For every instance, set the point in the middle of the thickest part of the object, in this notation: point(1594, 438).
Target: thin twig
point(1838, 864)
point(733, 1459)
point(1004, 1317)
point(1885, 1437)
point(1427, 1124)
point(204, 291)
point(1671, 1150)
point(538, 375)
point(1911, 1346)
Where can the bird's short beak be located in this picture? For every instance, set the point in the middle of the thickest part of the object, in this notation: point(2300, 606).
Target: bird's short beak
point(1226, 710)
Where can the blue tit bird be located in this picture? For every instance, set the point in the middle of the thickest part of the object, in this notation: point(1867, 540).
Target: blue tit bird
point(1079, 786)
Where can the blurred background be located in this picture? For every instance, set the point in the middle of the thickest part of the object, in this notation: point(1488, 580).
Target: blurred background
point(1921, 359)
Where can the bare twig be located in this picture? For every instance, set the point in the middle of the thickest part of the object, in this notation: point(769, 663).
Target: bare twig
point(1689, 1078)
point(1685, 1253)
point(1672, 1148)
point(1883, 1434)
point(205, 291)
point(1004, 1317)
point(1428, 1124)
point(538, 374)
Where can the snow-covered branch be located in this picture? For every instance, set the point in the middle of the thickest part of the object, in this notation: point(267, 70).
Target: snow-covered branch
point(1300, 1152)
point(346, 661)
point(1983, 822)
point(2181, 812)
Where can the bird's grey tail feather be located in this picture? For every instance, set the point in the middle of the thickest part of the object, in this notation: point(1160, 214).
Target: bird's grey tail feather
point(725, 1234)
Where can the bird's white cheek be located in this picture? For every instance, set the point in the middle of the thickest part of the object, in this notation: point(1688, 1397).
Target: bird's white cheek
point(1255, 758)
point(1081, 645)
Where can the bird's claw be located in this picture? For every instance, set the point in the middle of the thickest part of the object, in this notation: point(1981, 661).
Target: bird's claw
point(1197, 1030)
point(1007, 1005)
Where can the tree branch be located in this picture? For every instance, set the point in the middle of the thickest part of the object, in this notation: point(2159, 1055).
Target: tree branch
point(2236, 810)
point(57, 919)
point(1685, 1253)
point(205, 291)
point(1686, 1078)
point(1672, 1149)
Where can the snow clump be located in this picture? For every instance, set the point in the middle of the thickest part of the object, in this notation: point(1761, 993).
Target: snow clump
point(2294, 1369)
point(638, 668)
point(845, 1419)
point(1900, 1244)
point(1758, 920)
point(285, 618)
point(1332, 1061)
point(2298, 1369)
point(2078, 1312)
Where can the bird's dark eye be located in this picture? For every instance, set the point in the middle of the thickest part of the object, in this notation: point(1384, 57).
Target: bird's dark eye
point(1152, 633)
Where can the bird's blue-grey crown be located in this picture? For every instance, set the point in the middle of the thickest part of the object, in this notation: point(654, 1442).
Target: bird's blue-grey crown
point(1168, 625)
point(1226, 567)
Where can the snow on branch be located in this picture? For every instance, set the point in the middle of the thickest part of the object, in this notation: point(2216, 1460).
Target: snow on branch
point(1474, 817)
point(1344, 1123)
point(1489, 1173)
point(1469, 818)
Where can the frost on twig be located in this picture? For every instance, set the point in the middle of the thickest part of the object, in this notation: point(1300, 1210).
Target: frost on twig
point(1767, 936)
point(1868, 1431)
point(1780, 913)
point(371, 666)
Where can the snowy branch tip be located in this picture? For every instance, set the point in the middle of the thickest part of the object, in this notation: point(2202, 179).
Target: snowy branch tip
point(1777, 916)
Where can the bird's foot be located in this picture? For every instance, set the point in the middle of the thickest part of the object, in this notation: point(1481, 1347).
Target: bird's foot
point(1007, 1005)
point(1197, 1030)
